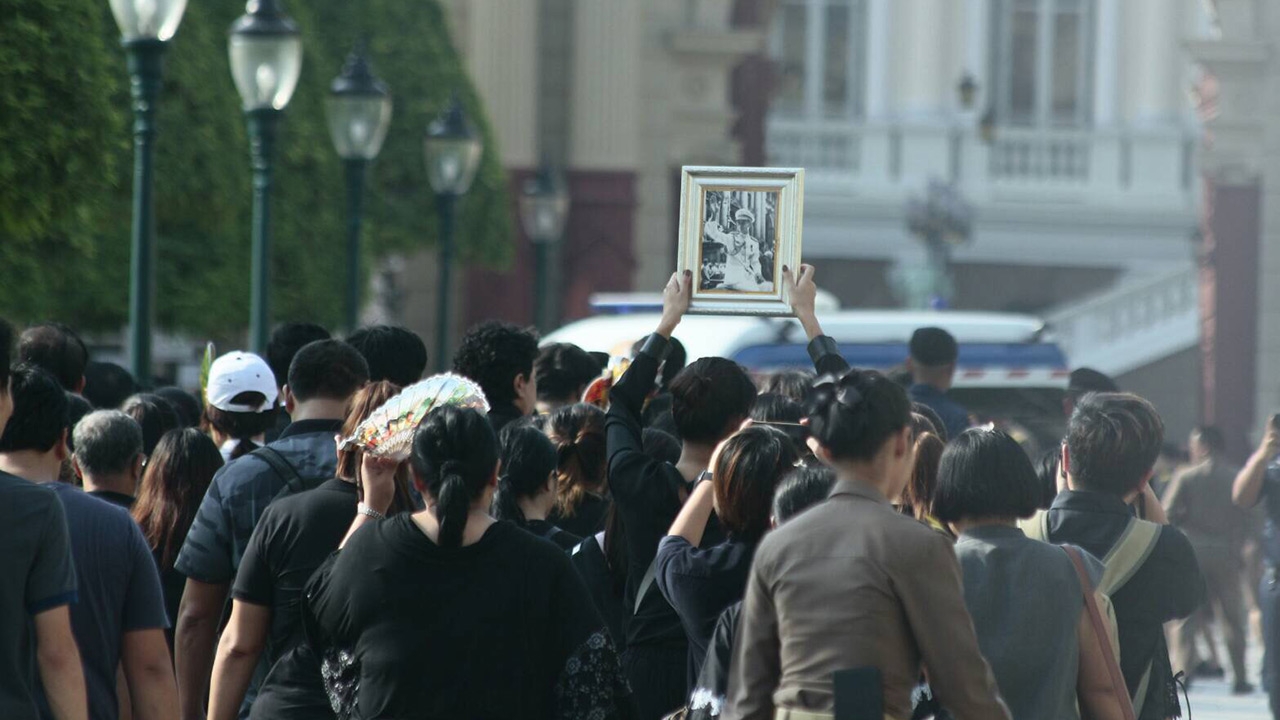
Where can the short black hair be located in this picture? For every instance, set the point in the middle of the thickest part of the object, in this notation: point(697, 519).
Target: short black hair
point(852, 415)
point(564, 370)
point(1114, 440)
point(660, 445)
point(1047, 470)
point(985, 474)
point(329, 369)
point(39, 411)
point(793, 384)
point(1087, 380)
point(107, 385)
point(710, 398)
point(56, 348)
point(77, 407)
point(933, 347)
point(1211, 436)
point(773, 408)
point(6, 352)
point(186, 404)
point(286, 340)
point(494, 354)
point(938, 428)
point(393, 353)
point(801, 489)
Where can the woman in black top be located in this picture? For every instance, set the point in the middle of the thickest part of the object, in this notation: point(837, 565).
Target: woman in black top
point(709, 400)
point(526, 483)
point(700, 580)
point(448, 613)
point(292, 538)
point(178, 474)
point(581, 463)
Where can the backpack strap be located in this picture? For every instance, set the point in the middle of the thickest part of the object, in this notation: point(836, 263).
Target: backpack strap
point(1101, 635)
point(649, 576)
point(282, 467)
point(1128, 554)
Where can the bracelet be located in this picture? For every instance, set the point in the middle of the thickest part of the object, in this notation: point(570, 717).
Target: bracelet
point(366, 510)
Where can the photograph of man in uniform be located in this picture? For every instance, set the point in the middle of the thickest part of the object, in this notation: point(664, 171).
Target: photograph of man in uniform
point(746, 264)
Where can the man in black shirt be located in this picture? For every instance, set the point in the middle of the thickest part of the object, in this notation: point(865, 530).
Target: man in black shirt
point(1112, 444)
point(108, 456)
point(1259, 481)
point(499, 358)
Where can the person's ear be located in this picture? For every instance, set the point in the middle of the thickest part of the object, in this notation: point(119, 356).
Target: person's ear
point(820, 451)
point(81, 385)
point(902, 445)
point(419, 483)
point(139, 463)
point(75, 466)
point(60, 448)
point(290, 402)
point(1064, 469)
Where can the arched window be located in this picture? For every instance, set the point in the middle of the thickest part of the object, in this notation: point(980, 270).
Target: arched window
point(819, 50)
point(1043, 62)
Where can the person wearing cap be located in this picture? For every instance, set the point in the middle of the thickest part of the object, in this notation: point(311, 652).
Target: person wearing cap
point(239, 403)
point(931, 359)
point(322, 378)
point(742, 267)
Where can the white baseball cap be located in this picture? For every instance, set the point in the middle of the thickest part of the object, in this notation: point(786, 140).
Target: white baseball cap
point(238, 372)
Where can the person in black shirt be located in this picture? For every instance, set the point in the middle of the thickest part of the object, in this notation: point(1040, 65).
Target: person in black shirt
point(499, 358)
point(293, 537)
point(701, 580)
point(108, 457)
point(581, 466)
point(526, 483)
point(710, 399)
point(176, 478)
point(564, 371)
point(448, 613)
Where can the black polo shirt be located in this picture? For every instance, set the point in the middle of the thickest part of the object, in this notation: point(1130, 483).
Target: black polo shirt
point(1168, 586)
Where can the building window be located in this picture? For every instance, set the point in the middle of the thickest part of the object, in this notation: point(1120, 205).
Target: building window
point(1043, 62)
point(818, 49)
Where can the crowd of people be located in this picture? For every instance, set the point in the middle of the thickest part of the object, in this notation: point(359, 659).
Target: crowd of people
point(834, 544)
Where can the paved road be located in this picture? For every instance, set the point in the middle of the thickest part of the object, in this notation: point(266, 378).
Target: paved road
point(1212, 699)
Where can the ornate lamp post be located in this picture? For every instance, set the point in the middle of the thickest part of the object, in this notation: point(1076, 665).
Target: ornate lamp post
point(359, 110)
point(266, 60)
point(544, 208)
point(452, 148)
point(145, 28)
point(942, 220)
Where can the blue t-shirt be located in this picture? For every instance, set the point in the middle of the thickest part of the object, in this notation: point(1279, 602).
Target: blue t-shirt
point(119, 590)
point(955, 417)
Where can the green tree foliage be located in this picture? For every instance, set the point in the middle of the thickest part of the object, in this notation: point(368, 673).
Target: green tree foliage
point(65, 173)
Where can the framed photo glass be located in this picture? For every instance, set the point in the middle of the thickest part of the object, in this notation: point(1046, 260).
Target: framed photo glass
point(738, 228)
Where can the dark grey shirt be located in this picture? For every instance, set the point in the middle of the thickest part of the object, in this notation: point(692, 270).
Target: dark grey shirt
point(1026, 601)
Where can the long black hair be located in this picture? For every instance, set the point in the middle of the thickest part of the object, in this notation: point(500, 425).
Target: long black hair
point(528, 460)
point(455, 452)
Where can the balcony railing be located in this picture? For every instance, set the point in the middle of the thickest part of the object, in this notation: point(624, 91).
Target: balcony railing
point(1153, 166)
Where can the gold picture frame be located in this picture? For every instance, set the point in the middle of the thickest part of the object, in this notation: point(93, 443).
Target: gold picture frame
point(738, 228)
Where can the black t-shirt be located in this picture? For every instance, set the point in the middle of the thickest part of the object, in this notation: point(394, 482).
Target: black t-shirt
point(700, 583)
point(547, 531)
point(37, 574)
point(503, 628)
point(115, 498)
point(293, 538)
point(588, 517)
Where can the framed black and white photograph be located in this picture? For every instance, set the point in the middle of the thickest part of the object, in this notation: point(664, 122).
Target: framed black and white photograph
point(738, 227)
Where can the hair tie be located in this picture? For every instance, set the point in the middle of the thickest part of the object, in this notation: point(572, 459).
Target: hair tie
point(450, 467)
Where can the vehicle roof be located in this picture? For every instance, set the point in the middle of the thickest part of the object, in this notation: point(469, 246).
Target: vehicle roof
point(707, 336)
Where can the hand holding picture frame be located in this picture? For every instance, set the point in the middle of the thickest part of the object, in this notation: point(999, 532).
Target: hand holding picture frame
point(738, 228)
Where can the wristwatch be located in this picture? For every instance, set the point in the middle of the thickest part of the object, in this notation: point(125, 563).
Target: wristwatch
point(704, 475)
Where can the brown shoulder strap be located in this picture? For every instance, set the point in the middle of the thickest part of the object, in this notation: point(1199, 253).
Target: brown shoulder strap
point(1100, 632)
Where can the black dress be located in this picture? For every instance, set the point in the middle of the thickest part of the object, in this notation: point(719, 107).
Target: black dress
point(502, 628)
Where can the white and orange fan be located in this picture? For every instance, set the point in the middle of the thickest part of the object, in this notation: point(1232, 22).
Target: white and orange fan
point(388, 431)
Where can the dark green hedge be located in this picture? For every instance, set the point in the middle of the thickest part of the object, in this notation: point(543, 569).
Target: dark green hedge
point(66, 164)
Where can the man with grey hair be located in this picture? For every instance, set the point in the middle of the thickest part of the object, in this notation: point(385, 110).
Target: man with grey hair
point(108, 456)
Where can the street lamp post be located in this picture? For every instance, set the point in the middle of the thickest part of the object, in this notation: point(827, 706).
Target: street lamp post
point(942, 220)
point(266, 60)
point(359, 110)
point(145, 28)
point(544, 208)
point(452, 148)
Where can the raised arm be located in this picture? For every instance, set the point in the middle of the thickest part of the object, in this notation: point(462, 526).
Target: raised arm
point(802, 293)
point(1247, 489)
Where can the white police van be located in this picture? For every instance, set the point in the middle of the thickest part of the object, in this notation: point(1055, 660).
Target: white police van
point(1009, 371)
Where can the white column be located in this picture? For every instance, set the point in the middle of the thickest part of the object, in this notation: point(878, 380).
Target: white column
point(923, 57)
point(1106, 63)
point(1155, 62)
point(502, 59)
point(878, 72)
point(605, 125)
point(815, 53)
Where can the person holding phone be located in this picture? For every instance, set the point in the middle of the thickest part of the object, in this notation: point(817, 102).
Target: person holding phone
point(1259, 481)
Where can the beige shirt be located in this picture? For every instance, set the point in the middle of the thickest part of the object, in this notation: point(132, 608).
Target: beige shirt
point(1198, 502)
point(849, 584)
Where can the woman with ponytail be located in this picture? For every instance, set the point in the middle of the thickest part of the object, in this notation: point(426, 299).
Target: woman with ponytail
point(450, 613)
point(581, 468)
point(526, 492)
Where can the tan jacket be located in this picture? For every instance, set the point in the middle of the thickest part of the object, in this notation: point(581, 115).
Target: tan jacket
point(850, 584)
